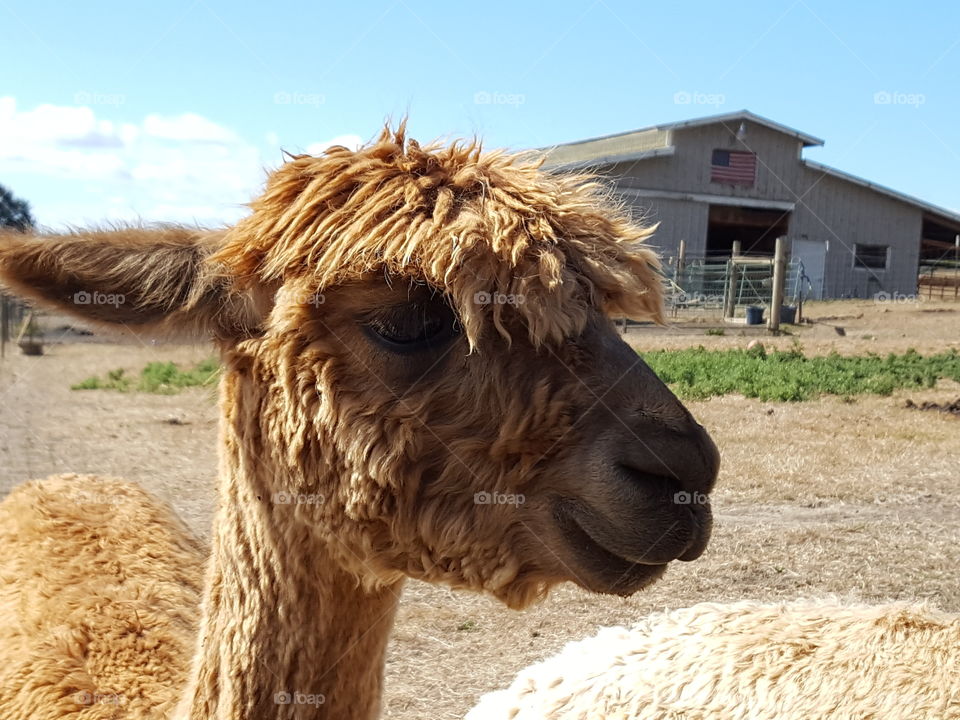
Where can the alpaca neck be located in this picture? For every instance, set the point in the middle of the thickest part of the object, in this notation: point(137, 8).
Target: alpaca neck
point(285, 632)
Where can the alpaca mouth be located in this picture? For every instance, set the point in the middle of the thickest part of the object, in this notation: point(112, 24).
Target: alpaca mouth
point(606, 563)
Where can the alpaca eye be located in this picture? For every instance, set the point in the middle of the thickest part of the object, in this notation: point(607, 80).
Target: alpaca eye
point(415, 326)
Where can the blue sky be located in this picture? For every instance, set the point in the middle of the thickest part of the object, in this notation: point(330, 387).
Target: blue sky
point(172, 111)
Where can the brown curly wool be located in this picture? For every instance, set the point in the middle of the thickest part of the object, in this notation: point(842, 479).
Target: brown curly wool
point(98, 581)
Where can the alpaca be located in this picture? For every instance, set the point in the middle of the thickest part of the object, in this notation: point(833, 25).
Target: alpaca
point(420, 380)
point(750, 661)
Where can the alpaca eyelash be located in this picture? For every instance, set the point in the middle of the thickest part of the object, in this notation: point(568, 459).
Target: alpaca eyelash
point(414, 325)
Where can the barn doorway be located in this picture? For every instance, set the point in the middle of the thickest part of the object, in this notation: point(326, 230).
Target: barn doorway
point(757, 229)
point(938, 271)
point(811, 254)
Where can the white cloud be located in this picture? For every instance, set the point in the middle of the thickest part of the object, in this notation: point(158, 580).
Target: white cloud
point(188, 127)
point(45, 122)
point(181, 168)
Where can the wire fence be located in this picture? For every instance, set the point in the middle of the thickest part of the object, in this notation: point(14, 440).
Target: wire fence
point(12, 314)
point(721, 288)
point(939, 279)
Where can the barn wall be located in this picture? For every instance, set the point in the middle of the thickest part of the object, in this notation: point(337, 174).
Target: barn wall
point(844, 213)
point(688, 169)
point(678, 220)
point(826, 207)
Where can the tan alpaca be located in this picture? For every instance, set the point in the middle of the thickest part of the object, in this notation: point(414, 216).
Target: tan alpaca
point(413, 338)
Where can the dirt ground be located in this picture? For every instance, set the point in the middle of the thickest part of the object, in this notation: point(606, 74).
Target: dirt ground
point(848, 327)
point(857, 499)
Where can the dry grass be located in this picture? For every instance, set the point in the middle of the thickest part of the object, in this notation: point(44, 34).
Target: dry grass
point(858, 499)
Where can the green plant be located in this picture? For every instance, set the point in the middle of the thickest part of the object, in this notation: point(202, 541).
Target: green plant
point(168, 378)
point(115, 380)
point(791, 376)
point(164, 378)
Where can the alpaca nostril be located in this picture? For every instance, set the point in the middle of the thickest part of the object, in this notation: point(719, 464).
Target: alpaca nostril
point(687, 458)
point(661, 490)
point(653, 485)
point(691, 508)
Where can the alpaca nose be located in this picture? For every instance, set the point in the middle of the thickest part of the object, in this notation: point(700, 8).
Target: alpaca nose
point(647, 429)
point(656, 435)
point(686, 457)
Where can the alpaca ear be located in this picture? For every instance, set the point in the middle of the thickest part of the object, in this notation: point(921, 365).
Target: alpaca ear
point(149, 280)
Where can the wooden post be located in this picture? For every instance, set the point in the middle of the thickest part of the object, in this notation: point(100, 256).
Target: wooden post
point(779, 277)
point(730, 302)
point(678, 274)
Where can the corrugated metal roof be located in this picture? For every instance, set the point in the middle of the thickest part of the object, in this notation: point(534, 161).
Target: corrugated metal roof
point(883, 190)
point(638, 144)
point(624, 147)
point(746, 115)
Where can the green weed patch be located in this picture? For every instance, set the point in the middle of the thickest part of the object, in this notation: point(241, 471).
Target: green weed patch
point(164, 378)
point(792, 376)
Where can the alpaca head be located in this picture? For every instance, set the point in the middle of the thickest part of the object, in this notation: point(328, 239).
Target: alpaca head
point(420, 365)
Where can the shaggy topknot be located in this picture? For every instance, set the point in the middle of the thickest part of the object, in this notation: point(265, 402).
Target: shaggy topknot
point(455, 217)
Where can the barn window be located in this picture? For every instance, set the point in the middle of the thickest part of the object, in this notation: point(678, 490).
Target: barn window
point(871, 257)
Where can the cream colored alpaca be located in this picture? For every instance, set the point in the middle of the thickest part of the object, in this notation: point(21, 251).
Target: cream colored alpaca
point(804, 660)
point(413, 340)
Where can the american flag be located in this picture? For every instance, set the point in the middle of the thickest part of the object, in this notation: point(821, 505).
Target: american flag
point(733, 167)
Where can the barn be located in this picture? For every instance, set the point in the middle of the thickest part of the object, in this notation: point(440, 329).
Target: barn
point(740, 177)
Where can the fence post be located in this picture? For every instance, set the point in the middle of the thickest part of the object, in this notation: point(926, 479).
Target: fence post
point(678, 281)
point(730, 301)
point(779, 276)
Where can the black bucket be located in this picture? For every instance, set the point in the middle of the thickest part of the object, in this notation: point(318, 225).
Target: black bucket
point(754, 315)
